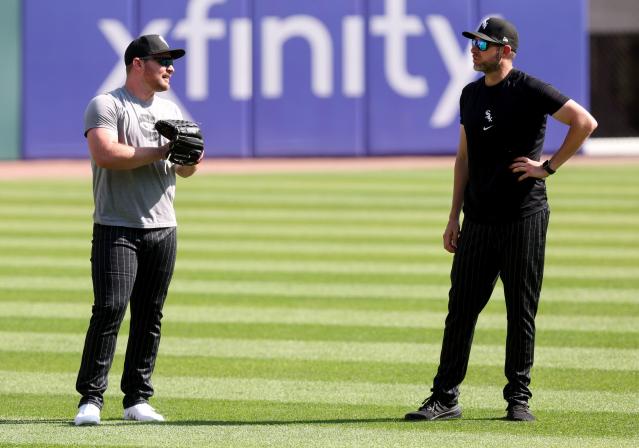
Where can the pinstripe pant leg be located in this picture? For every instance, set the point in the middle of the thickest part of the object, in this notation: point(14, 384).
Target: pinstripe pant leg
point(473, 277)
point(522, 275)
point(113, 267)
point(156, 264)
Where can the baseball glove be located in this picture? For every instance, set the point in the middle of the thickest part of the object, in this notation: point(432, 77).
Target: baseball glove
point(185, 141)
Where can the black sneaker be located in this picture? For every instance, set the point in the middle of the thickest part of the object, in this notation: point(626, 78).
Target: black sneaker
point(433, 409)
point(518, 412)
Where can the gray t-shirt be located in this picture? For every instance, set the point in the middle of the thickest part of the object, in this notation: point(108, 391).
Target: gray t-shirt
point(141, 197)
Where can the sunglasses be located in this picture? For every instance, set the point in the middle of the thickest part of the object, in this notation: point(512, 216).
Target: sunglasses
point(164, 62)
point(481, 45)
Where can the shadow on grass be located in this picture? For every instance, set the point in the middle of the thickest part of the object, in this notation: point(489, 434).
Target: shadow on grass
point(344, 421)
point(336, 421)
point(34, 421)
point(117, 422)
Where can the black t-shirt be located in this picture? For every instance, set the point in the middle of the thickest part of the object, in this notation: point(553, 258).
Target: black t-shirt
point(502, 122)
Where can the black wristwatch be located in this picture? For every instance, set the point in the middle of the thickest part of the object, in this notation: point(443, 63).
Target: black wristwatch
point(546, 167)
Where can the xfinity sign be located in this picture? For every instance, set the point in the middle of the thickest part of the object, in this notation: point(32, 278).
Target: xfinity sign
point(395, 27)
point(290, 77)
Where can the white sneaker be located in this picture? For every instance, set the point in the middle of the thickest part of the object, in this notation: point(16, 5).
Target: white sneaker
point(142, 412)
point(88, 414)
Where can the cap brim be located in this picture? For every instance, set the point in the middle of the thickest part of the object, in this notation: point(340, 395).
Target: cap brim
point(176, 53)
point(476, 35)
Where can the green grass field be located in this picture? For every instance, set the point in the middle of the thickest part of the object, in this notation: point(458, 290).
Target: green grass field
point(307, 310)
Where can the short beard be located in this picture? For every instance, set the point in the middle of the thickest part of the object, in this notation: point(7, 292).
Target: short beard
point(489, 67)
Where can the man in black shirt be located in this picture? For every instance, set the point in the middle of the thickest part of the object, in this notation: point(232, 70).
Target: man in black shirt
point(499, 183)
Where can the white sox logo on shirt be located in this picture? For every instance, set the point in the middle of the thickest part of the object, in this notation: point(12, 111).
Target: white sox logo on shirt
point(488, 115)
point(489, 119)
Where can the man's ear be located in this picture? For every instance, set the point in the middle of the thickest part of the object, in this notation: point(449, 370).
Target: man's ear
point(137, 63)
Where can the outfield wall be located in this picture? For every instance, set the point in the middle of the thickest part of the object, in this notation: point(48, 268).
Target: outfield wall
point(10, 75)
point(290, 77)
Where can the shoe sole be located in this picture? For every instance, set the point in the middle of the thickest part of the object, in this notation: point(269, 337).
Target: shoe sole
point(132, 419)
point(144, 421)
point(86, 423)
point(450, 415)
point(513, 419)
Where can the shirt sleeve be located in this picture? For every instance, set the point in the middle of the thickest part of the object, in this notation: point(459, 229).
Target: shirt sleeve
point(101, 113)
point(548, 98)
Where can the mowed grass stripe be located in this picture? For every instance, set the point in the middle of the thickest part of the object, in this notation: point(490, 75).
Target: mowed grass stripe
point(414, 353)
point(319, 332)
point(316, 291)
point(240, 248)
point(286, 434)
point(68, 219)
point(352, 393)
point(617, 175)
point(310, 216)
point(233, 199)
point(408, 185)
point(357, 201)
point(320, 231)
point(276, 315)
point(304, 370)
point(582, 306)
point(77, 256)
point(430, 217)
point(337, 278)
point(609, 181)
point(327, 267)
point(284, 288)
point(325, 199)
point(344, 268)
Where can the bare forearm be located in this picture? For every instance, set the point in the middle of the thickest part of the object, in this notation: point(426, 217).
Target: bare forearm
point(459, 185)
point(577, 134)
point(118, 156)
point(581, 124)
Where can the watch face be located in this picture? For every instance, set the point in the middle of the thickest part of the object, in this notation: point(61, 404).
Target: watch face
point(546, 166)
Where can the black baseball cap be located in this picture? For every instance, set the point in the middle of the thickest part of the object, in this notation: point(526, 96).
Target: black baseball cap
point(496, 30)
point(150, 45)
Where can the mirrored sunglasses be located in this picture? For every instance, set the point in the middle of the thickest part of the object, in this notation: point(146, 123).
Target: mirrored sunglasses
point(164, 62)
point(480, 44)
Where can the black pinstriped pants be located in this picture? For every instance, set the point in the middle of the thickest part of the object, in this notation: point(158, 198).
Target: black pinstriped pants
point(514, 252)
point(127, 265)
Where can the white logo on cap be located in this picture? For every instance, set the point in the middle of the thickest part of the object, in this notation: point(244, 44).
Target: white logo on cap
point(484, 24)
point(163, 41)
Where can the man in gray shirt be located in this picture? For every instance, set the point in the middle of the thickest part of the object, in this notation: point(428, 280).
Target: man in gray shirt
point(134, 235)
